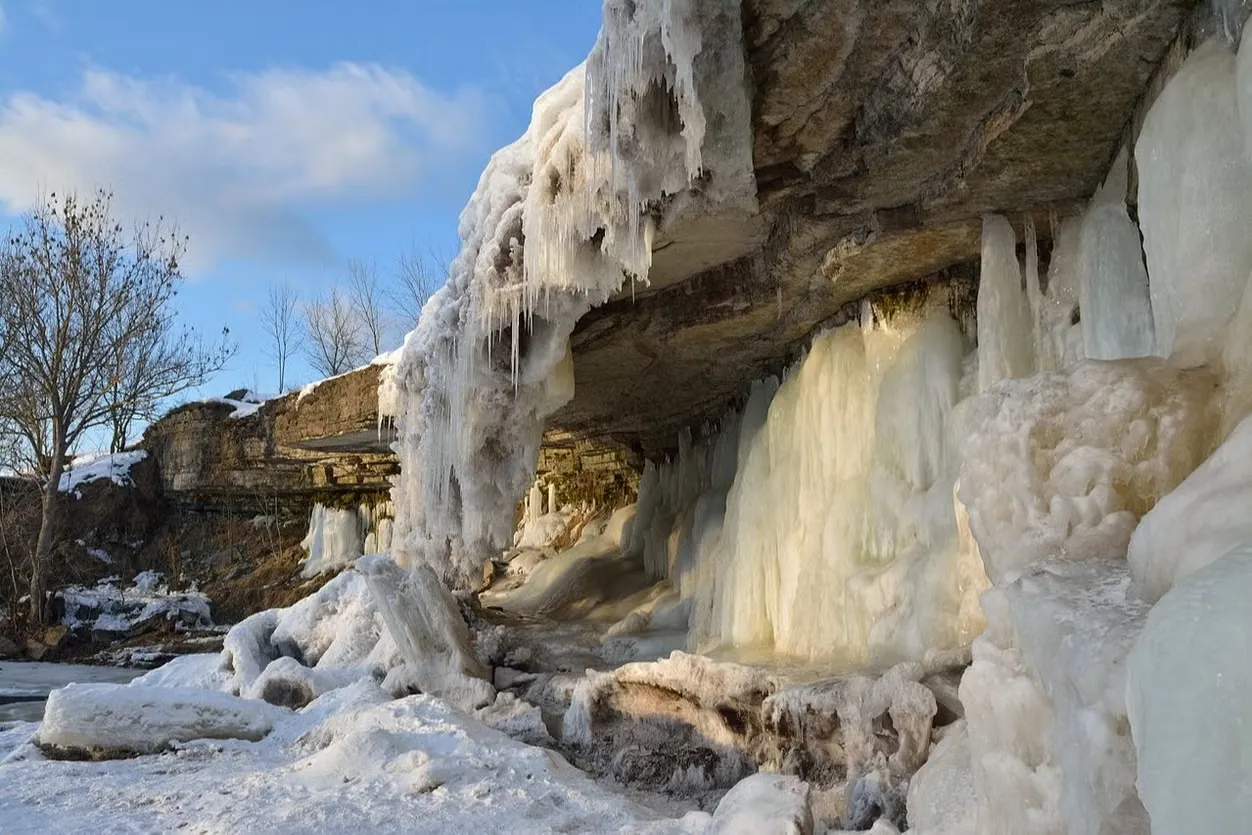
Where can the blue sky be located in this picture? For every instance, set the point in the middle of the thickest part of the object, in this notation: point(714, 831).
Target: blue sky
point(285, 136)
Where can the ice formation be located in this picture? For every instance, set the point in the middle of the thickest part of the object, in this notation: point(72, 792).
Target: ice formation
point(1194, 178)
point(1189, 680)
point(1112, 278)
point(655, 128)
point(1006, 336)
point(1204, 518)
point(117, 719)
point(339, 535)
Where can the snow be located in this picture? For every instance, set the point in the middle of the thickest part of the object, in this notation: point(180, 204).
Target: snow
point(119, 718)
point(349, 762)
point(111, 607)
point(1190, 715)
point(101, 465)
point(1194, 177)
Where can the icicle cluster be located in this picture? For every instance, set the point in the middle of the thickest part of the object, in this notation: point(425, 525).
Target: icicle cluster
point(656, 129)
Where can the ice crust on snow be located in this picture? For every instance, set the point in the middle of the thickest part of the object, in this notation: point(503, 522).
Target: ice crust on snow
point(119, 718)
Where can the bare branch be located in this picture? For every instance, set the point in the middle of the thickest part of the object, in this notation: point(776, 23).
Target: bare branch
point(278, 318)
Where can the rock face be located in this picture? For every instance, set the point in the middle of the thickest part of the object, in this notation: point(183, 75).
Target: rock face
point(326, 441)
point(883, 131)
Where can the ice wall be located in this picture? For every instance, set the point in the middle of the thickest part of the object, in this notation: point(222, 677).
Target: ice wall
point(1189, 680)
point(655, 130)
point(1194, 178)
point(818, 520)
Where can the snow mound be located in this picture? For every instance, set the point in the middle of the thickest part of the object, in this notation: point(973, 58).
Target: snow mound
point(338, 627)
point(1187, 690)
point(118, 719)
point(99, 466)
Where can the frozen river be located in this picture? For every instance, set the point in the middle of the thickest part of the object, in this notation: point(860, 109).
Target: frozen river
point(25, 685)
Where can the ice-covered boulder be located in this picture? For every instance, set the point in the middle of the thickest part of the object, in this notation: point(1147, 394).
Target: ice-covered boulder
point(102, 720)
point(764, 804)
point(941, 793)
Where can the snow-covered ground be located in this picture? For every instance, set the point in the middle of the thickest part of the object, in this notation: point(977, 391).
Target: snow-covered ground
point(352, 761)
point(109, 607)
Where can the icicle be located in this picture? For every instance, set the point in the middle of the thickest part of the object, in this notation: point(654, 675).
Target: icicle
point(1005, 334)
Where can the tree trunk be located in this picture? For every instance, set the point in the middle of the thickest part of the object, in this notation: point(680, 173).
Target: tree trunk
point(42, 564)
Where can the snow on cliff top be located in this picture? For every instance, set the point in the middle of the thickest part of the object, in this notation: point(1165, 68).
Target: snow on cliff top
point(114, 466)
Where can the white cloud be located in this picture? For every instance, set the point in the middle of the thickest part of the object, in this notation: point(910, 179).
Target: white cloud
point(235, 170)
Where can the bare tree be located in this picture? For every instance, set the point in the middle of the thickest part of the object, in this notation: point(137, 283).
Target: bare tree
point(418, 276)
point(369, 304)
point(162, 360)
point(279, 318)
point(80, 302)
point(333, 334)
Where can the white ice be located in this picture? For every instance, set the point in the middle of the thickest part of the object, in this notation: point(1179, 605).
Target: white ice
point(1189, 680)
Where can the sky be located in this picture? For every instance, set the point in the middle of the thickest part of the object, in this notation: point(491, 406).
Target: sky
point(284, 137)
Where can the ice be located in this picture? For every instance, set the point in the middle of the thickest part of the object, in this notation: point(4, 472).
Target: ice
point(122, 719)
point(336, 627)
point(1112, 278)
point(941, 793)
point(1060, 342)
point(559, 221)
point(1190, 715)
point(764, 804)
point(1236, 365)
point(339, 535)
point(1204, 518)
point(97, 466)
point(1005, 334)
point(1194, 178)
point(839, 540)
point(1067, 462)
point(424, 622)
